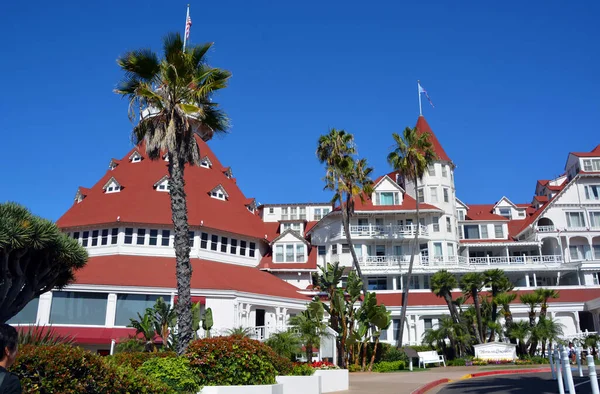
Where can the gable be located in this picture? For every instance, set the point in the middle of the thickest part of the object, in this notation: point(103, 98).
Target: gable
point(112, 186)
point(288, 236)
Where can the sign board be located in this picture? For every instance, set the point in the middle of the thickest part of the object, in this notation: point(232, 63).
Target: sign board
point(496, 351)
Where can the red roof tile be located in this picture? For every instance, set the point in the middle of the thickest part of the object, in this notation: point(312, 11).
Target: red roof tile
point(541, 199)
point(423, 127)
point(139, 202)
point(310, 225)
point(483, 212)
point(430, 299)
point(147, 271)
point(593, 153)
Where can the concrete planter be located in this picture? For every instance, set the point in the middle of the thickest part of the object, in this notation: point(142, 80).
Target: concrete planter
point(262, 389)
point(333, 379)
point(300, 384)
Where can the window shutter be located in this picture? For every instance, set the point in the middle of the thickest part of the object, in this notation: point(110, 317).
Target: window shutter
point(396, 198)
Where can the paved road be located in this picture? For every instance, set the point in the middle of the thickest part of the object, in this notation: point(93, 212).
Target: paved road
point(541, 383)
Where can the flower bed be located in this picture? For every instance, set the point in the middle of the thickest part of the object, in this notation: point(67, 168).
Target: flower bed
point(323, 365)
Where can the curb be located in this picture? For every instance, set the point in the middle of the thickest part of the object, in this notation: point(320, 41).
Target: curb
point(425, 388)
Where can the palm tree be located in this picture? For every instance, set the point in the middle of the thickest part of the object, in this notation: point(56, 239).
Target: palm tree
point(285, 343)
point(171, 97)
point(471, 284)
point(545, 295)
point(504, 301)
point(240, 332)
point(532, 300)
point(499, 283)
point(412, 153)
point(145, 325)
point(519, 331)
point(547, 330)
point(164, 318)
point(309, 325)
point(442, 284)
point(348, 177)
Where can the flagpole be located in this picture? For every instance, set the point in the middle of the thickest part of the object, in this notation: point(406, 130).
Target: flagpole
point(419, 93)
point(186, 19)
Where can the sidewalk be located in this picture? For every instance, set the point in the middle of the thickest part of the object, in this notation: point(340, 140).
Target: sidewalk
point(405, 382)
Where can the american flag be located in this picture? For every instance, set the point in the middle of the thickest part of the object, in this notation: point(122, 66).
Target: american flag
point(188, 24)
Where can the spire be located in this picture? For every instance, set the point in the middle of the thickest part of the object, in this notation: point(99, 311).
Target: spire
point(423, 127)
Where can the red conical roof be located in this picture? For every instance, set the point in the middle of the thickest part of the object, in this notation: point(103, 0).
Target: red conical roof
point(423, 127)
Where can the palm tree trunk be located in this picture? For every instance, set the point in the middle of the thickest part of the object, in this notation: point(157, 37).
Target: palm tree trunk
point(308, 350)
point(364, 356)
point(410, 268)
point(182, 251)
point(346, 224)
point(373, 355)
point(478, 311)
point(451, 308)
point(492, 337)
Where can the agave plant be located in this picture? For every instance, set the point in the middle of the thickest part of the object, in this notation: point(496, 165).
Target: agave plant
point(43, 336)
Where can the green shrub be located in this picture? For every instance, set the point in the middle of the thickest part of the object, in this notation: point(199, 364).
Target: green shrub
point(228, 361)
point(172, 371)
point(539, 360)
point(389, 366)
point(302, 369)
point(136, 359)
point(71, 370)
point(355, 368)
point(457, 362)
point(421, 348)
point(394, 354)
point(42, 335)
point(282, 365)
point(130, 345)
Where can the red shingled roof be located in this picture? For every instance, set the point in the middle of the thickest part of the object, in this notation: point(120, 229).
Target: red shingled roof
point(541, 199)
point(593, 153)
point(139, 202)
point(149, 271)
point(430, 299)
point(483, 212)
point(423, 127)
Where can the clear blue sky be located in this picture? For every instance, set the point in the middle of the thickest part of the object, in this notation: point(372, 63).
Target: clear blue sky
point(515, 84)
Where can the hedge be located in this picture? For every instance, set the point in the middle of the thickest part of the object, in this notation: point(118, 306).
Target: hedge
point(233, 360)
point(136, 359)
point(389, 366)
point(67, 369)
point(172, 371)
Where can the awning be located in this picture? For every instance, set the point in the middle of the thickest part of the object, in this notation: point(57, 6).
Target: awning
point(90, 335)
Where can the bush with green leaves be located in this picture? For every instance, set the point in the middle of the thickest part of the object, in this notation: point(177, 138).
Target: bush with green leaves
point(389, 366)
point(355, 368)
point(175, 372)
point(130, 345)
point(457, 362)
point(302, 369)
point(42, 335)
point(422, 348)
point(67, 369)
point(136, 359)
point(229, 361)
point(394, 354)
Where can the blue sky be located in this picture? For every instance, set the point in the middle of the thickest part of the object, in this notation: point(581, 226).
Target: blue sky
point(515, 86)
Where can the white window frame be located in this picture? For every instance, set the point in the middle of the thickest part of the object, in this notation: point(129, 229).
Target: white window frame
point(446, 195)
point(498, 234)
point(448, 224)
point(436, 224)
point(581, 216)
point(444, 171)
point(594, 219)
point(433, 193)
point(420, 195)
point(592, 192)
point(483, 231)
point(431, 169)
point(587, 165)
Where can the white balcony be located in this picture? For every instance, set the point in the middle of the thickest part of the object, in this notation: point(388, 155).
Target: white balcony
point(392, 263)
point(389, 231)
point(545, 229)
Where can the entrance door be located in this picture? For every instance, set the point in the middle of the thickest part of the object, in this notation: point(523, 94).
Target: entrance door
point(260, 318)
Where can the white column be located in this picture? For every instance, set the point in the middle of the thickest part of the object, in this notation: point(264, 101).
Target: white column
point(43, 315)
point(527, 280)
point(534, 280)
point(394, 282)
point(576, 318)
point(111, 310)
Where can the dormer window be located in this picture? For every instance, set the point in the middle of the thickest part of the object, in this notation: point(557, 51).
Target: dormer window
point(112, 186)
point(228, 173)
point(163, 184)
point(219, 193)
point(251, 205)
point(135, 157)
point(506, 212)
point(591, 165)
point(80, 195)
point(205, 162)
point(113, 164)
point(387, 198)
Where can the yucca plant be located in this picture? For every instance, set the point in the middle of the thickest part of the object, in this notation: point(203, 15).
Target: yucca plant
point(43, 336)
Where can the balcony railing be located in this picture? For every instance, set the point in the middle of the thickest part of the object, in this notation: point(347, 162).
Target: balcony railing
point(373, 230)
point(392, 261)
point(546, 229)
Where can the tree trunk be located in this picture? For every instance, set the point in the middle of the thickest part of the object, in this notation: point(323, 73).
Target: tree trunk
point(475, 294)
point(492, 337)
point(410, 269)
point(344, 359)
point(182, 251)
point(451, 307)
point(364, 356)
point(374, 353)
point(309, 350)
point(346, 223)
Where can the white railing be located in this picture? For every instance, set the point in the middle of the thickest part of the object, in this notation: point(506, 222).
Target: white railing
point(260, 333)
point(546, 229)
point(392, 261)
point(373, 230)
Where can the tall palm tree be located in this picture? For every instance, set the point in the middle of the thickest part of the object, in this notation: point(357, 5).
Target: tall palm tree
point(504, 300)
point(532, 300)
point(499, 283)
point(349, 178)
point(412, 153)
point(545, 295)
point(171, 101)
point(442, 284)
point(548, 330)
point(471, 284)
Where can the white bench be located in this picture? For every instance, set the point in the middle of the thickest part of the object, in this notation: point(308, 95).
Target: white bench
point(430, 357)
